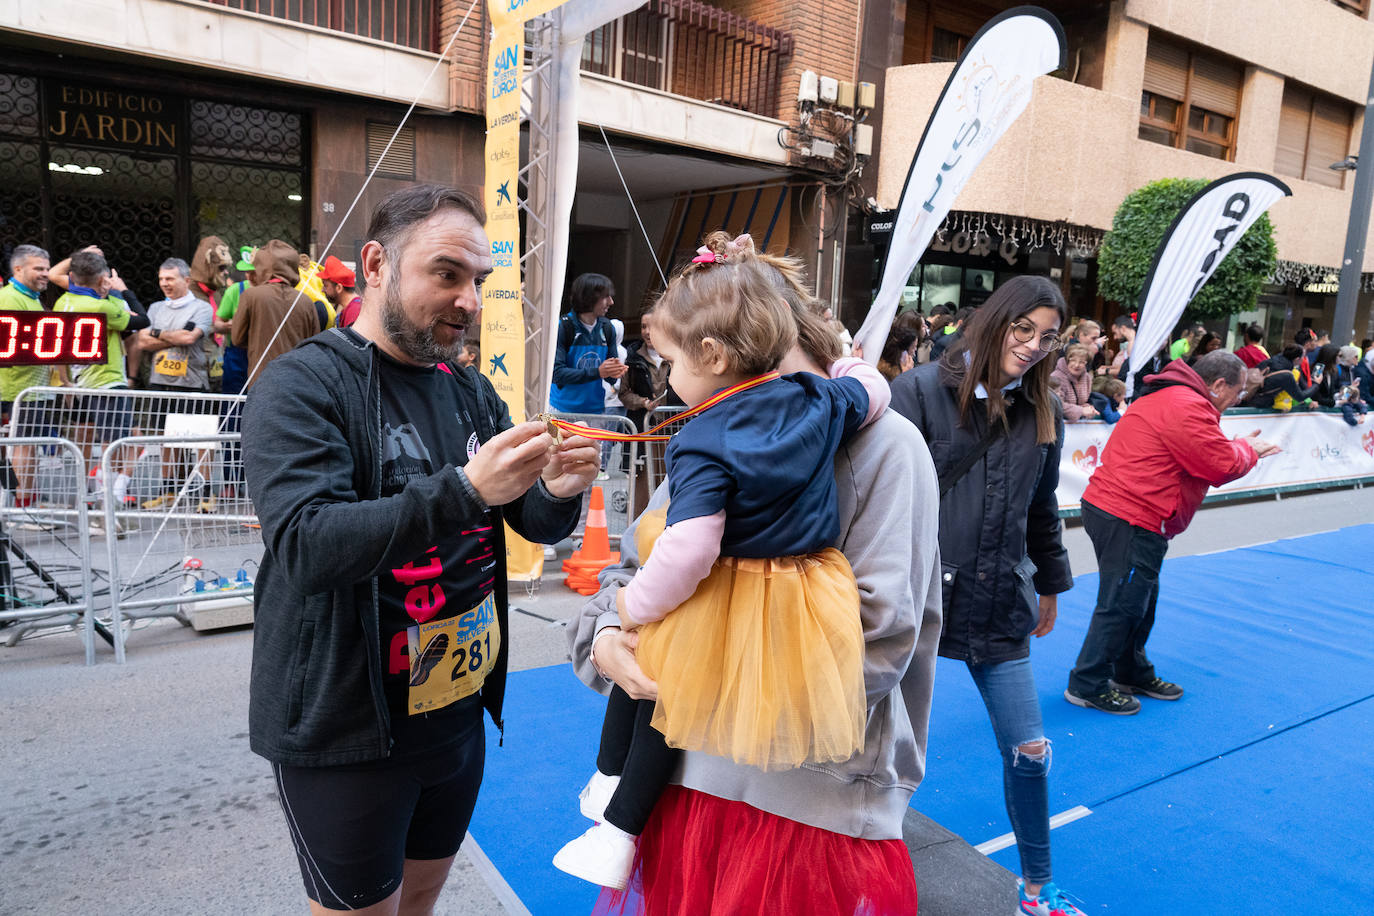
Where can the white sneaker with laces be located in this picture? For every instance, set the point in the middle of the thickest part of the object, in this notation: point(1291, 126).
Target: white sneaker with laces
point(603, 855)
point(596, 795)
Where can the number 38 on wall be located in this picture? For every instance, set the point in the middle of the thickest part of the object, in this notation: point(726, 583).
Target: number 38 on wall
point(57, 338)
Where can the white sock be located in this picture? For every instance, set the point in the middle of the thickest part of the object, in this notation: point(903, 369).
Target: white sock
point(615, 831)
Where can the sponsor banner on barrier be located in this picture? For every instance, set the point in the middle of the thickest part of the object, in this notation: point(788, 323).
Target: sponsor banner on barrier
point(1318, 448)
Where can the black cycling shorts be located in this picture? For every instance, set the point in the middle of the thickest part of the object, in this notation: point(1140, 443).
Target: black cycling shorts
point(354, 826)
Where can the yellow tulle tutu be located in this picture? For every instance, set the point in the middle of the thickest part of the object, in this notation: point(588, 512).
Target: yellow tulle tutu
point(763, 664)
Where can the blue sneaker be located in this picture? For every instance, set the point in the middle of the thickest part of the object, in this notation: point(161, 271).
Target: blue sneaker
point(1050, 902)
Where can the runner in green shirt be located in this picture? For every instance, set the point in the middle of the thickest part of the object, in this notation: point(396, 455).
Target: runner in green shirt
point(28, 278)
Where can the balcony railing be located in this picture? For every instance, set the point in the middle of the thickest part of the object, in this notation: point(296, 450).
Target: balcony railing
point(690, 48)
point(413, 23)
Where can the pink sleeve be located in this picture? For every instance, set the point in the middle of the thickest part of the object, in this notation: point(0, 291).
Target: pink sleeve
point(681, 558)
point(879, 392)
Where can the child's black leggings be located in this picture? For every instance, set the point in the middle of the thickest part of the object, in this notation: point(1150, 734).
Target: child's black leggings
point(635, 751)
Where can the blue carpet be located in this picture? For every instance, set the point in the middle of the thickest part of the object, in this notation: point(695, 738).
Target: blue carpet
point(1248, 790)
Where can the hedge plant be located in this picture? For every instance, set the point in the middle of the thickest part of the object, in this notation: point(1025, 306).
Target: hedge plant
point(1128, 250)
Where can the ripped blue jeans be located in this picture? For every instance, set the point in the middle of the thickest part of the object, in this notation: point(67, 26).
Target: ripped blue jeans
point(1008, 690)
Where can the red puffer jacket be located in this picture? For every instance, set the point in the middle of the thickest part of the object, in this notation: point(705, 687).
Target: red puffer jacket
point(1165, 452)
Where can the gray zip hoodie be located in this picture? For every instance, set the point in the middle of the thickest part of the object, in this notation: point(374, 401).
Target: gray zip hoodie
point(889, 514)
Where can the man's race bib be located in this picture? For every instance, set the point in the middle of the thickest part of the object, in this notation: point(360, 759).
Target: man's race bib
point(450, 658)
point(171, 362)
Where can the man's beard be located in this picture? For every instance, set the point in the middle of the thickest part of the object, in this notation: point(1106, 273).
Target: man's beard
point(414, 341)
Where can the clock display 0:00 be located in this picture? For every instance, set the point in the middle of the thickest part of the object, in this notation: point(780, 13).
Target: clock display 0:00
point(33, 338)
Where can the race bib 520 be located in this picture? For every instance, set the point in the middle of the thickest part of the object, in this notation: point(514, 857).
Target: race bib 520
point(170, 362)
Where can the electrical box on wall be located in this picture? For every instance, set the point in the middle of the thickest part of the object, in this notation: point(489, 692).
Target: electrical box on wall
point(806, 91)
point(822, 149)
point(868, 96)
point(845, 96)
point(863, 140)
point(829, 89)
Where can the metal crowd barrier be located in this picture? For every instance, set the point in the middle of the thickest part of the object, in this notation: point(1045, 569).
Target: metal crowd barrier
point(163, 474)
point(200, 545)
point(654, 468)
point(45, 541)
point(620, 460)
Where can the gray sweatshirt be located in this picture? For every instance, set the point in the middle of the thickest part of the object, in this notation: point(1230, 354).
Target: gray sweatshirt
point(889, 514)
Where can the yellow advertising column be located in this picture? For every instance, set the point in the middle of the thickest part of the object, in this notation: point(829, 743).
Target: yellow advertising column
point(503, 320)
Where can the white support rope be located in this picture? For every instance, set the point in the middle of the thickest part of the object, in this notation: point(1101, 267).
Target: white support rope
point(200, 458)
point(653, 254)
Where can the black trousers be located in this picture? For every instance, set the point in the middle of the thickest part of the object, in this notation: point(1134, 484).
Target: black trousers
point(635, 751)
point(1128, 562)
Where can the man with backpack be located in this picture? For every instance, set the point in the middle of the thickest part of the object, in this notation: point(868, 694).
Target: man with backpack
point(586, 351)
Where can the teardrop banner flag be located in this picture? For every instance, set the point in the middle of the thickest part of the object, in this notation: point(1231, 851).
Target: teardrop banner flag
point(988, 90)
point(1197, 241)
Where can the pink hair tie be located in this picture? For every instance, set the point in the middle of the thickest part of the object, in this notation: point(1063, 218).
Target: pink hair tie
point(706, 256)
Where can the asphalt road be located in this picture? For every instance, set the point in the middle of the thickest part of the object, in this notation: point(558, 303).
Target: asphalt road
point(131, 789)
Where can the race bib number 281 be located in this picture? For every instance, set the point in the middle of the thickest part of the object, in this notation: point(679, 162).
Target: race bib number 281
point(451, 658)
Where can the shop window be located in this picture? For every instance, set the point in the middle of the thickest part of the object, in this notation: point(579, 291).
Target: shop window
point(1189, 100)
point(1314, 132)
point(399, 161)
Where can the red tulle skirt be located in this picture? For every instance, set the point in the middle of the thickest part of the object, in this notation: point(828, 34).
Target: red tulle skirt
point(705, 856)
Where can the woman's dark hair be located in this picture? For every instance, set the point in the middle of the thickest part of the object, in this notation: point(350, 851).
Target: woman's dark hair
point(1292, 353)
point(588, 290)
point(977, 358)
point(899, 339)
point(1326, 356)
point(1201, 348)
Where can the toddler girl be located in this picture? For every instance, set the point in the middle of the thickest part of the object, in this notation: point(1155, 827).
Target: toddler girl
point(750, 618)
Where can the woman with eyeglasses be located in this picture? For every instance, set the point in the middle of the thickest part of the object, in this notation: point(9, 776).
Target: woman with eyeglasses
point(995, 430)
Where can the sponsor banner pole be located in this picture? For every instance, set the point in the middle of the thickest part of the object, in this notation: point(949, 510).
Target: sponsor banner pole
point(503, 320)
point(1197, 241)
point(988, 90)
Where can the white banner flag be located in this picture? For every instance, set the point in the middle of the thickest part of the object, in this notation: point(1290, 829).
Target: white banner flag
point(988, 90)
point(1199, 239)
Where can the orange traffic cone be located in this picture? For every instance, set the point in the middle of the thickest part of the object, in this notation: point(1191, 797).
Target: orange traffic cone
point(595, 554)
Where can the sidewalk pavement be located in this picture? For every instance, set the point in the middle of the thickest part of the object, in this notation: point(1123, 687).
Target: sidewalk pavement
point(131, 789)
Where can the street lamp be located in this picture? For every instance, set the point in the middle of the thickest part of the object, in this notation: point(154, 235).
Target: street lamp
point(1356, 231)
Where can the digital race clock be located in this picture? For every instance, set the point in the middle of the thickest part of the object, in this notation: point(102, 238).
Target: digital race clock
point(61, 338)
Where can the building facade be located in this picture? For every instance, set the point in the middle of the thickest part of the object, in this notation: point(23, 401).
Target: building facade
point(1153, 89)
point(163, 121)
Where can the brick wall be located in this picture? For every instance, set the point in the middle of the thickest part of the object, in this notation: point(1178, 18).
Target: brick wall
point(825, 33)
point(467, 59)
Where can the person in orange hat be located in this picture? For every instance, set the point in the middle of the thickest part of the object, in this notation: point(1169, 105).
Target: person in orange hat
point(338, 283)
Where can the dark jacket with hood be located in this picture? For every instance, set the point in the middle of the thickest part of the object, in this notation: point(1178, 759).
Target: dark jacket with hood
point(1000, 541)
point(1280, 379)
point(271, 301)
point(312, 459)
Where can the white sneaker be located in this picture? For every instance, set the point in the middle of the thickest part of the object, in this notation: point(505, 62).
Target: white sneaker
point(596, 795)
point(603, 855)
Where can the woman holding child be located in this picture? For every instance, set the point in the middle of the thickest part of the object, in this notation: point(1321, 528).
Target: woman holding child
point(790, 835)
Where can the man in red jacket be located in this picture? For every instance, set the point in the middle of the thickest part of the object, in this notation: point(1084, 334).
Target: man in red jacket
point(1165, 452)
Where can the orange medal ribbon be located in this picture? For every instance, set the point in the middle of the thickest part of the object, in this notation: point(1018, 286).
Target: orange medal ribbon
point(557, 427)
